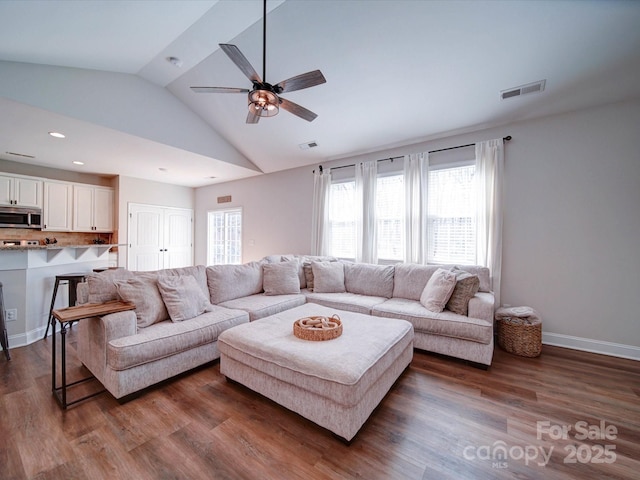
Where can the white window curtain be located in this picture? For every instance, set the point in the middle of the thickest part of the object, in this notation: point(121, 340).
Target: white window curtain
point(367, 244)
point(320, 220)
point(489, 177)
point(416, 170)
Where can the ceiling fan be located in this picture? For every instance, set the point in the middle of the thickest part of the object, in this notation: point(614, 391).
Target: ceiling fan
point(264, 98)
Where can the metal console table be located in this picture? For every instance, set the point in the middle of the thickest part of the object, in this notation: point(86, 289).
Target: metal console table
point(65, 316)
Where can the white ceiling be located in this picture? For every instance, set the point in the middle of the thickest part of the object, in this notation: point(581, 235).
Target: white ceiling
point(398, 72)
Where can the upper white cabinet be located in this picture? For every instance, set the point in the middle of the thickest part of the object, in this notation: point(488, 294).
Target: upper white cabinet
point(92, 208)
point(58, 203)
point(20, 191)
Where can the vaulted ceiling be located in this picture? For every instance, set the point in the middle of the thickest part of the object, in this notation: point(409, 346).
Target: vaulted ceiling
point(398, 72)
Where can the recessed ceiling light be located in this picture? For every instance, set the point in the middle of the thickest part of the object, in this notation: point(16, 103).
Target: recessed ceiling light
point(78, 162)
point(175, 61)
point(57, 134)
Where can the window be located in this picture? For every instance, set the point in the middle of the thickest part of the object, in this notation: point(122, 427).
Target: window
point(342, 220)
point(224, 237)
point(390, 217)
point(451, 215)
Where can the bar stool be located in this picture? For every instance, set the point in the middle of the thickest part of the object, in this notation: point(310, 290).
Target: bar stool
point(4, 338)
point(72, 279)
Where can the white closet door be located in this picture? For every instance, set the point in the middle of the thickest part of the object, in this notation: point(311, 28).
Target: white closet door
point(178, 243)
point(159, 237)
point(146, 238)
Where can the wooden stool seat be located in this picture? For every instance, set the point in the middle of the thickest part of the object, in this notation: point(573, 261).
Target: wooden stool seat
point(71, 279)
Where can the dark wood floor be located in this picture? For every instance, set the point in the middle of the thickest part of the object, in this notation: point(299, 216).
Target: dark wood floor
point(442, 419)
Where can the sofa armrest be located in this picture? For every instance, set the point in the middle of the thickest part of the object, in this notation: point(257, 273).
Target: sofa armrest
point(95, 333)
point(119, 324)
point(481, 306)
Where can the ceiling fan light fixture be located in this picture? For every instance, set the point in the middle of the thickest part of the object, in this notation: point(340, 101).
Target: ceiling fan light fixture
point(264, 103)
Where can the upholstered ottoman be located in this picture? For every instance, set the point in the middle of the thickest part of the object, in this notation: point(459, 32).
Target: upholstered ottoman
point(335, 383)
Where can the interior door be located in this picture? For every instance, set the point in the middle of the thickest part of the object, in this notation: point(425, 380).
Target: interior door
point(178, 238)
point(159, 237)
point(146, 238)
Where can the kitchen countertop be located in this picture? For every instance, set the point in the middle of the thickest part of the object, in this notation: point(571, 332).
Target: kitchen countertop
point(57, 246)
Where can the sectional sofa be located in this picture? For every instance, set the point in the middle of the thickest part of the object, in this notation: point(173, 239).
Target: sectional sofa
point(181, 312)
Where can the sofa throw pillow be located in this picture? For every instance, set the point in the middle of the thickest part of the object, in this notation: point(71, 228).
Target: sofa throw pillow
point(438, 290)
point(328, 277)
point(142, 291)
point(102, 285)
point(308, 275)
point(467, 285)
point(183, 297)
point(281, 278)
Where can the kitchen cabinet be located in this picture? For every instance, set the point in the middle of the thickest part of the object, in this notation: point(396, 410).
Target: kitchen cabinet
point(57, 210)
point(92, 208)
point(20, 191)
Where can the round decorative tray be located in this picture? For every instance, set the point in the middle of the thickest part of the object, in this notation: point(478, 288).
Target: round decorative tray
point(318, 328)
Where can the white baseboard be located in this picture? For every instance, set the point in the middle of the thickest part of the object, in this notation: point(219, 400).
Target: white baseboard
point(590, 345)
point(24, 339)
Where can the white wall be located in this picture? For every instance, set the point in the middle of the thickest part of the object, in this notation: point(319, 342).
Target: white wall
point(276, 213)
point(136, 190)
point(571, 224)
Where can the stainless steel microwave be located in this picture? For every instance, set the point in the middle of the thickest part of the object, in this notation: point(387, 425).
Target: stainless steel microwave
point(20, 217)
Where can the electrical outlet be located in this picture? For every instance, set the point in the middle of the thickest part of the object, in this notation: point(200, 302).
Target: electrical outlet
point(12, 315)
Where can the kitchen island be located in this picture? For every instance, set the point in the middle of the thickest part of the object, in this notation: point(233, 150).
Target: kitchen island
point(28, 274)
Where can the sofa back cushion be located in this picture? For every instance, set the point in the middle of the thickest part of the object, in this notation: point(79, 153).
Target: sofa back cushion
point(228, 282)
point(199, 272)
point(102, 285)
point(369, 279)
point(328, 277)
point(281, 278)
point(411, 278)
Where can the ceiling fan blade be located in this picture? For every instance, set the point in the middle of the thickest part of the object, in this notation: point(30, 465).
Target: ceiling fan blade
point(219, 90)
point(306, 80)
point(296, 109)
point(252, 117)
point(241, 61)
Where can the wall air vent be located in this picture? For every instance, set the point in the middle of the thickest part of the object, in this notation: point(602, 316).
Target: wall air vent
point(20, 154)
point(534, 87)
point(308, 145)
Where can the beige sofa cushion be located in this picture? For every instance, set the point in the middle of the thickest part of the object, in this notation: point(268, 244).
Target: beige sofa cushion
point(467, 286)
point(438, 290)
point(164, 339)
point(260, 305)
point(142, 291)
point(447, 324)
point(183, 297)
point(227, 282)
point(328, 277)
point(102, 285)
point(369, 279)
point(281, 278)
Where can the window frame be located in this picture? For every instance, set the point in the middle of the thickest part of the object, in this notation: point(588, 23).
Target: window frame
point(448, 166)
point(210, 253)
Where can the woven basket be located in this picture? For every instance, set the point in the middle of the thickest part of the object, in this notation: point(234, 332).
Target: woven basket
point(520, 336)
point(317, 334)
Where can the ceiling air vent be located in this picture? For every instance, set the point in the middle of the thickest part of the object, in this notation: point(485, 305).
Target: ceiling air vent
point(534, 87)
point(20, 154)
point(308, 145)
